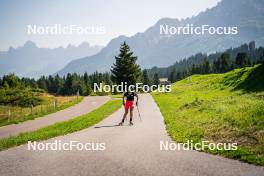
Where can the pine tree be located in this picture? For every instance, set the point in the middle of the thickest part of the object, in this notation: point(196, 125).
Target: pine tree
point(146, 80)
point(107, 79)
point(172, 76)
point(125, 68)
point(178, 76)
point(242, 60)
point(222, 64)
point(225, 62)
point(88, 90)
point(156, 79)
point(206, 66)
point(216, 66)
point(67, 88)
point(58, 84)
point(12, 81)
point(42, 83)
point(86, 78)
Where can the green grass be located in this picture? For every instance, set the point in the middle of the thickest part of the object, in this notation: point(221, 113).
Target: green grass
point(20, 114)
point(227, 108)
point(116, 95)
point(62, 128)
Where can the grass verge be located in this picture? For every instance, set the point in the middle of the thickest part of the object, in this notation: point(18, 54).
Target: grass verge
point(62, 128)
point(218, 109)
point(39, 112)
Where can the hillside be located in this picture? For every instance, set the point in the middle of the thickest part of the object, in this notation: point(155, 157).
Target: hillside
point(220, 108)
point(154, 49)
point(184, 67)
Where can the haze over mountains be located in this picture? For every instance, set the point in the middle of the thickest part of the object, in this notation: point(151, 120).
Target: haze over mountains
point(32, 61)
point(154, 49)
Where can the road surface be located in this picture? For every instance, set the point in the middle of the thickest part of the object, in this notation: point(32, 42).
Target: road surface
point(130, 151)
point(88, 104)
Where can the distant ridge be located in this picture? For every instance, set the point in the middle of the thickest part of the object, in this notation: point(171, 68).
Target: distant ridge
point(154, 49)
point(32, 61)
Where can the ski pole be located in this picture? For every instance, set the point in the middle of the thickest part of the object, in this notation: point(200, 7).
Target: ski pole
point(139, 114)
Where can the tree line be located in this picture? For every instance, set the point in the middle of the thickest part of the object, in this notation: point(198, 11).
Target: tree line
point(219, 62)
point(125, 69)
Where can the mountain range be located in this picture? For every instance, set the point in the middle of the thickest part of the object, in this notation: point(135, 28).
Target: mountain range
point(154, 49)
point(32, 61)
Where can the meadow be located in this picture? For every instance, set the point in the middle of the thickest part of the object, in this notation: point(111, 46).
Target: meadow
point(220, 108)
point(10, 114)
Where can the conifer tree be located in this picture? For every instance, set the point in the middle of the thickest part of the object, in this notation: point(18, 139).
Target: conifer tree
point(125, 69)
point(156, 80)
point(146, 80)
point(172, 76)
point(206, 66)
point(242, 60)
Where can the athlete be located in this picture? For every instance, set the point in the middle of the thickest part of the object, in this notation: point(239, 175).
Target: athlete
point(128, 102)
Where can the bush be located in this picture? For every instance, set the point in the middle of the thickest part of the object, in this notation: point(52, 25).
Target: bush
point(24, 98)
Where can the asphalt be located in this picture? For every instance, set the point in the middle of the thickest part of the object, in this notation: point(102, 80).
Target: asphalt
point(130, 151)
point(87, 105)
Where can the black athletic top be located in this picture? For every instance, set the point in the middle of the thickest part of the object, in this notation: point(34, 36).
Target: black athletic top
point(130, 97)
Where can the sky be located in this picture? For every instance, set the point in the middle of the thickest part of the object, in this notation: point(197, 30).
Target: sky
point(118, 17)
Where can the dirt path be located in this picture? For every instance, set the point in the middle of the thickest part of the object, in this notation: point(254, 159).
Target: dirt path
point(87, 105)
point(130, 150)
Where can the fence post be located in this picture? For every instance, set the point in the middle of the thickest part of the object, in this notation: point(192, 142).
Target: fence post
point(21, 113)
point(54, 104)
point(78, 93)
point(31, 108)
point(9, 115)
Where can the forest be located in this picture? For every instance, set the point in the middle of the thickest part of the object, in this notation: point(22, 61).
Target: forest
point(218, 62)
point(22, 91)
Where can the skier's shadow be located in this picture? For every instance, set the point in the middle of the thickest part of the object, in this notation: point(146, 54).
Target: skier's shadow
point(107, 126)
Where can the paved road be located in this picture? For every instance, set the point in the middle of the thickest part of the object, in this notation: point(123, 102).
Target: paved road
point(88, 104)
point(129, 151)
